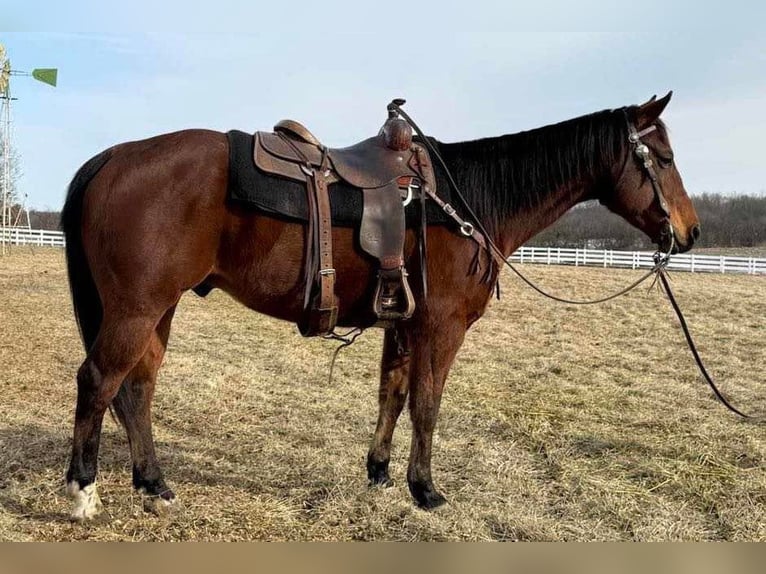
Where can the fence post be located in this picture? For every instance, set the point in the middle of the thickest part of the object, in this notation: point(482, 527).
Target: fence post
point(723, 264)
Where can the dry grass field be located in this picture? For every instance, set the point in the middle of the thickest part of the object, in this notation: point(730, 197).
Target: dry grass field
point(558, 423)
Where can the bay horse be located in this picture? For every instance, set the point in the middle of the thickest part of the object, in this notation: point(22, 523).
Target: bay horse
point(146, 221)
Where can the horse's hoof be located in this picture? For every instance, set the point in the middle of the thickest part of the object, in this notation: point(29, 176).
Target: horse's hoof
point(377, 473)
point(426, 497)
point(87, 503)
point(162, 505)
point(381, 482)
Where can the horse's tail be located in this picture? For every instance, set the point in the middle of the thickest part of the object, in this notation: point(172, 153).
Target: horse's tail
point(85, 298)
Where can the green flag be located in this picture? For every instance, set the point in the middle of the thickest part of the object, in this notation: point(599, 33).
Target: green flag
point(46, 75)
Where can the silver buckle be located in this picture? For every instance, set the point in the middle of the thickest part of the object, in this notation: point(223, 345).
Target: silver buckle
point(413, 185)
point(325, 272)
point(308, 170)
point(408, 199)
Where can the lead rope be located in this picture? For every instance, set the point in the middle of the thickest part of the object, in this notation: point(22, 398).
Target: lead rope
point(663, 277)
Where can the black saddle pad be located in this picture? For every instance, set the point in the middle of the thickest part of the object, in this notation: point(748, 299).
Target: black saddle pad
point(277, 195)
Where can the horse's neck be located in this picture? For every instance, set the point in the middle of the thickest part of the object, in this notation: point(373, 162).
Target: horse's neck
point(557, 187)
point(528, 222)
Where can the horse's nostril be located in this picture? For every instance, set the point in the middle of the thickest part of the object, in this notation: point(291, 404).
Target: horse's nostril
point(695, 232)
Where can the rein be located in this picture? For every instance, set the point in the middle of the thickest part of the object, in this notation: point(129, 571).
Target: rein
point(661, 260)
point(693, 348)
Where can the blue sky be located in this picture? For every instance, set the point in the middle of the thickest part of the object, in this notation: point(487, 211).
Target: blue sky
point(468, 70)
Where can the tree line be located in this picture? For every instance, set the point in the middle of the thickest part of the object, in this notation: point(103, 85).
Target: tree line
point(48, 220)
point(726, 221)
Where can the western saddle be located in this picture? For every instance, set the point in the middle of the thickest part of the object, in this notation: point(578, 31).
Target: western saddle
point(385, 168)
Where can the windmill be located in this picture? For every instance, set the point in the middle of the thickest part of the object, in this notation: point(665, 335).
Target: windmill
point(7, 218)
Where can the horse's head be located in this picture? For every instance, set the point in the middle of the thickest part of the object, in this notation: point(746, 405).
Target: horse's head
point(647, 188)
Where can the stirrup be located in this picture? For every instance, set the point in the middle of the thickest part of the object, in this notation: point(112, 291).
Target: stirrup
point(393, 298)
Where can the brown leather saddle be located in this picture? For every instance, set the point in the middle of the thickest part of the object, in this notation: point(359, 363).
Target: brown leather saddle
point(383, 167)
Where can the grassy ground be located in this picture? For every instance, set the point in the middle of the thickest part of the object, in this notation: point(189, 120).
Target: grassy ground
point(558, 423)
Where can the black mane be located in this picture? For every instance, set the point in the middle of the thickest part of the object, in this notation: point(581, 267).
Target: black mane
point(503, 175)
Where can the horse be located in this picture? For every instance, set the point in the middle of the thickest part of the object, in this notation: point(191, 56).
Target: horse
point(146, 221)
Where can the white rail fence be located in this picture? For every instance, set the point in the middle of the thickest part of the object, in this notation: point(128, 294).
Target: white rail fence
point(23, 236)
point(539, 255)
point(639, 260)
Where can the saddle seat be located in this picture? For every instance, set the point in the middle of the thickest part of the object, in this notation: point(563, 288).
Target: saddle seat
point(296, 130)
point(380, 166)
point(368, 164)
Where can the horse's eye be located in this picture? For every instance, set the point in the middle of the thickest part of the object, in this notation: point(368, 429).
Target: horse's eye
point(665, 162)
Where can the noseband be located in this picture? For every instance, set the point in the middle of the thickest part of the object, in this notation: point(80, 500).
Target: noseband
point(642, 152)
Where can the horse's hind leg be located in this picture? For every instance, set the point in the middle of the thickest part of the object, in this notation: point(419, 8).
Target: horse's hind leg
point(122, 341)
point(132, 405)
point(394, 375)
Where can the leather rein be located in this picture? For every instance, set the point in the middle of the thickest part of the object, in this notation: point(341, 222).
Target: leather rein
point(478, 233)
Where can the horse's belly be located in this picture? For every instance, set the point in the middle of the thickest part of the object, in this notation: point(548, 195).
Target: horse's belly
point(261, 264)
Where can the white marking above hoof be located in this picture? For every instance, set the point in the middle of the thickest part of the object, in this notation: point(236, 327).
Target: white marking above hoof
point(87, 504)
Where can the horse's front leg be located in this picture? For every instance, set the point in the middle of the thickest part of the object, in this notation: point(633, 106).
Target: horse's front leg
point(394, 375)
point(433, 351)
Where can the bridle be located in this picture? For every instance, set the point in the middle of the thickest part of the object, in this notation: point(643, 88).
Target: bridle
point(643, 153)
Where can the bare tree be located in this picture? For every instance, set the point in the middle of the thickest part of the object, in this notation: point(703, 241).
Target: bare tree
point(48, 220)
point(13, 198)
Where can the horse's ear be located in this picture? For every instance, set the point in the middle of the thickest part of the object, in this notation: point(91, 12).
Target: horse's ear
point(649, 101)
point(649, 112)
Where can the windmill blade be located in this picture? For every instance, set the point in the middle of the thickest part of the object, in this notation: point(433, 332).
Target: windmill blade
point(46, 75)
